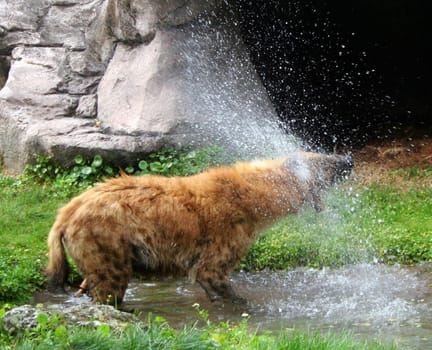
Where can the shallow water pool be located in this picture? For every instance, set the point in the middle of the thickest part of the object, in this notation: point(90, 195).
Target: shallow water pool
point(390, 304)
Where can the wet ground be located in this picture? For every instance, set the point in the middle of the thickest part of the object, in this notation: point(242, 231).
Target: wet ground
point(371, 301)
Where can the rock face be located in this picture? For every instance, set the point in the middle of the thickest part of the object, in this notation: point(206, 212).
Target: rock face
point(25, 317)
point(122, 78)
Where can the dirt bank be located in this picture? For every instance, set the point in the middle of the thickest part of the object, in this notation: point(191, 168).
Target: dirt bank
point(404, 160)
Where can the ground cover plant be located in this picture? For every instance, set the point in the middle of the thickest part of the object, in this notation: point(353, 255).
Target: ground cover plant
point(383, 221)
point(157, 334)
point(379, 224)
point(84, 173)
point(25, 214)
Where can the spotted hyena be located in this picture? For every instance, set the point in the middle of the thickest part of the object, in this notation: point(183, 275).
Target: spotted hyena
point(199, 226)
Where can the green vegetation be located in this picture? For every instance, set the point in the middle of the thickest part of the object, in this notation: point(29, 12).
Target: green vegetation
point(157, 334)
point(379, 223)
point(413, 172)
point(26, 216)
point(84, 173)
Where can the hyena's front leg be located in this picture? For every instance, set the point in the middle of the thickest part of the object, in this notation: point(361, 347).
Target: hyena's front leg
point(218, 287)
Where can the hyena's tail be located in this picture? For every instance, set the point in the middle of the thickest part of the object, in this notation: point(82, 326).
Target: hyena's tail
point(58, 269)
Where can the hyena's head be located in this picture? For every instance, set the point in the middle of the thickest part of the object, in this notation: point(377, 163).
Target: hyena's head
point(319, 171)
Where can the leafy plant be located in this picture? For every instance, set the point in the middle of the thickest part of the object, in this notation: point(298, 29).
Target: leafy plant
point(66, 182)
point(43, 170)
point(82, 175)
point(183, 162)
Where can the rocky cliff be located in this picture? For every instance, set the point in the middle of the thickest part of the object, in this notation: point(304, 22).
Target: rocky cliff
point(122, 78)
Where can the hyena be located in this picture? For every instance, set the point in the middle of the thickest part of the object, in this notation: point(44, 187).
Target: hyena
point(199, 226)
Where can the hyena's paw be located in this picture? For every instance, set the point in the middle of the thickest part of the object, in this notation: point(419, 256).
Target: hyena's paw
point(239, 300)
point(106, 291)
point(221, 290)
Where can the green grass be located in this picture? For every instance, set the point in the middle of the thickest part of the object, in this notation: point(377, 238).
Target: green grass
point(25, 218)
point(380, 223)
point(405, 233)
point(157, 334)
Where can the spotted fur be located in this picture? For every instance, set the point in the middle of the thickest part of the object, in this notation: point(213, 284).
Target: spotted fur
point(199, 226)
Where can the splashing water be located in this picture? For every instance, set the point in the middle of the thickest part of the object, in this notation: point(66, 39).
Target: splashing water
point(356, 294)
point(389, 303)
point(221, 83)
point(324, 87)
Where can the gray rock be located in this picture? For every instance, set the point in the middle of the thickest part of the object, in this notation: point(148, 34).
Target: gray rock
point(84, 65)
point(87, 106)
point(25, 317)
point(65, 22)
point(19, 21)
point(36, 78)
point(155, 73)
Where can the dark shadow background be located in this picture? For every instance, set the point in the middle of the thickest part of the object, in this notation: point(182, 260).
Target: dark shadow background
point(341, 73)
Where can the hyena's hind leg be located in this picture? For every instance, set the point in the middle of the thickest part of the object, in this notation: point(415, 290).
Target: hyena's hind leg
point(106, 270)
point(108, 287)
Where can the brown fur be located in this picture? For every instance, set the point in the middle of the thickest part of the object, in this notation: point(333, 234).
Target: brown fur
point(199, 226)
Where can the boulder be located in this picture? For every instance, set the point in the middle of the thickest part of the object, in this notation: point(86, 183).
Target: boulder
point(24, 318)
point(123, 78)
